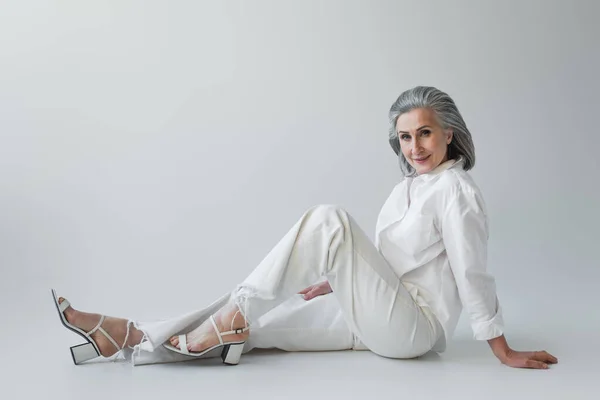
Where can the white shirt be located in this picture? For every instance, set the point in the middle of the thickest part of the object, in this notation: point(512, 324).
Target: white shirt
point(433, 231)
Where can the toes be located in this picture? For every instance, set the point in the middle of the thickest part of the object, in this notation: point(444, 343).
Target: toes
point(68, 309)
point(69, 312)
point(175, 341)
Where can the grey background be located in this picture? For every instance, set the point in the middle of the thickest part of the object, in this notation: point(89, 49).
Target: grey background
point(153, 152)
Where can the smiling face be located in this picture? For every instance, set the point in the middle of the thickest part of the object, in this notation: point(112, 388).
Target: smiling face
point(423, 141)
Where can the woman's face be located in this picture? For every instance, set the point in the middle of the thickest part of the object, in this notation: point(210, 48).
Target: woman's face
point(422, 140)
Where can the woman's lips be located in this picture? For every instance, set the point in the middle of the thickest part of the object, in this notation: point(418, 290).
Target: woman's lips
point(421, 160)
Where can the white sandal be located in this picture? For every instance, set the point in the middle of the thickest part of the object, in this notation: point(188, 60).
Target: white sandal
point(231, 353)
point(85, 351)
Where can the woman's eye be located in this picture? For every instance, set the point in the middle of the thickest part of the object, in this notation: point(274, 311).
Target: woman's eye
point(405, 137)
point(425, 132)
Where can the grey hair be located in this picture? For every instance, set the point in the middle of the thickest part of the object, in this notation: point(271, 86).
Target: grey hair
point(461, 146)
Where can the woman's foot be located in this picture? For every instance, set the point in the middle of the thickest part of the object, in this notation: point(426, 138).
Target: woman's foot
point(115, 327)
point(204, 336)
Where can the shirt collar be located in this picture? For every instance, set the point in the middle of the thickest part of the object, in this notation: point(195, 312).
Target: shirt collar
point(439, 169)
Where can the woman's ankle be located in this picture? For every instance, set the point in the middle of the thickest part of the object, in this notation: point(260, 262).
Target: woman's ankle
point(134, 335)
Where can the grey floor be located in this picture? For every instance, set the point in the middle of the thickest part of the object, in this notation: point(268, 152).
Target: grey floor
point(36, 363)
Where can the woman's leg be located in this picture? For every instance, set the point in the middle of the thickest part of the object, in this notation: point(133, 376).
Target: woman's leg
point(327, 241)
point(300, 325)
point(295, 325)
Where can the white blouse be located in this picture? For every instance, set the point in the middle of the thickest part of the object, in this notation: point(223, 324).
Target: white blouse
point(433, 231)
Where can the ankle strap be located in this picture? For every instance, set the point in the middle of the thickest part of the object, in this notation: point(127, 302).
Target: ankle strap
point(99, 328)
point(231, 332)
point(235, 331)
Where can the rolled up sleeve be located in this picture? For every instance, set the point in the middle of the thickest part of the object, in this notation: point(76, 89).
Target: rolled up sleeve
point(464, 229)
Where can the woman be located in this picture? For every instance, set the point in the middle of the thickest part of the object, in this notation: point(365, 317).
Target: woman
point(399, 298)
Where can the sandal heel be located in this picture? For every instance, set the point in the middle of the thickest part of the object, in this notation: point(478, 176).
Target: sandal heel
point(83, 352)
point(232, 353)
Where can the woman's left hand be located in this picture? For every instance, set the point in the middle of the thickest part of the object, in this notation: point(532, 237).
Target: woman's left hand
point(528, 359)
point(318, 289)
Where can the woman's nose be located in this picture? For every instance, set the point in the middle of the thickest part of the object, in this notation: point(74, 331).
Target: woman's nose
point(416, 147)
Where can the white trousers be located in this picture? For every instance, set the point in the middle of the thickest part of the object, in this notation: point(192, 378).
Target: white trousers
point(369, 308)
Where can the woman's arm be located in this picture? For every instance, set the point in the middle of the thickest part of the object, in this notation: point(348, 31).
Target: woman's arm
point(465, 234)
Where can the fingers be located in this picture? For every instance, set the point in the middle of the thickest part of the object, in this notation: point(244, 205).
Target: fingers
point(544, 356)
point(535, 364)
point(305, 291)
point(311, 294)
point(314, 292)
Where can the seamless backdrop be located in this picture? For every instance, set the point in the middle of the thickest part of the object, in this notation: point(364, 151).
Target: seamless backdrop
point(151, 153)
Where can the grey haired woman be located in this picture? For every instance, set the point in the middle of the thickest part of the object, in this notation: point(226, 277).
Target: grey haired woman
point(326, 286)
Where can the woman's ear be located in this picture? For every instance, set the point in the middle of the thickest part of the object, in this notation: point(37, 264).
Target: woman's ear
point(449, 136)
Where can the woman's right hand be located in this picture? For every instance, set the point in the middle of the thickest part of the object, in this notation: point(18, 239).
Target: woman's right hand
point(318, 289)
